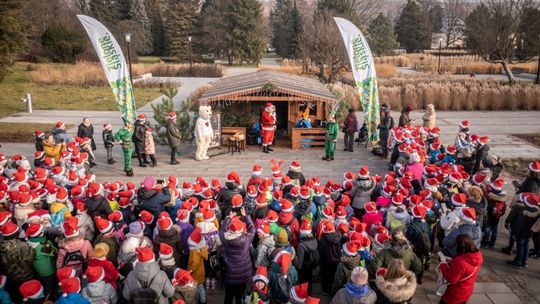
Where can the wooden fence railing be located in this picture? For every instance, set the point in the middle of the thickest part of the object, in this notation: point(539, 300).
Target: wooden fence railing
point(307, 138)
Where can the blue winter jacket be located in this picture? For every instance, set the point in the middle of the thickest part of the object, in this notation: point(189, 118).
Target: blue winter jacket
point(4, 297)
point(449, 242)
point(72, 298)
point(153, 200)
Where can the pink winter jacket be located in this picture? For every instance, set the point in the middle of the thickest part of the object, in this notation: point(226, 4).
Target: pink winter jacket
point(371, 219)
point(383, 201)
point(417, 169)
point(78, 244)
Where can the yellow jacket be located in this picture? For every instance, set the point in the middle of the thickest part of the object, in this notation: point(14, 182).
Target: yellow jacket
point(55, 207)
point(53, 151)
point(196, 264)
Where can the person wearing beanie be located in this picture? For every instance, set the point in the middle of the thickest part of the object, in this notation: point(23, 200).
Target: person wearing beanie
point(99, 259)
point(16, 259)
point(356, 290)
point(236, 235)
point(198, 254)
point(186, 289)
point(521, 219)
point(106, 235)
point(74, 250)
point(396, 284)
point(307, 254)
point(329, 245)
point(31, 292)
point(71, 289)
point(349, 260)
point(135, 238)
point(468, 226)
point(168, 235)
point(419, 234)
point(258, 291)
point(96, 203)
point(147, 273)
point(44, 260)
point(97, 290)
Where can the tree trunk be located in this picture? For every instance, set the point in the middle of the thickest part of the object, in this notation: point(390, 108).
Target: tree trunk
point(508, 72)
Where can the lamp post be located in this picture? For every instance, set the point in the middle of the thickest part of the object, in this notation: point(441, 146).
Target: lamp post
point(440, 51)
point(190, 58)
point(128, 41)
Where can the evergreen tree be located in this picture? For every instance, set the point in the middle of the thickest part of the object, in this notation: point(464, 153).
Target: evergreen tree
point(296, 33)
point(339, 7)
point(12, 33)
point(281, 26)
point(212, 35)
point(245, 30)
point(139, 15)
point(105, 11)
point(382, 39)
point(64, 44)
point(413, 28)
point(179, 25)
point(436, 16)
point(157, 28)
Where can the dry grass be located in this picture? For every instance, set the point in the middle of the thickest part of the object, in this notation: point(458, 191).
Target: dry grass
point(196, 95)
point(398, 61)
point(386, 70)
point(517, 167)
point(287, 66)
point(533, 138)
point(181, 70)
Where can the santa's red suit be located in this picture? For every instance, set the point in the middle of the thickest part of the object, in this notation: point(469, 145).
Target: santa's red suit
point(268, 123)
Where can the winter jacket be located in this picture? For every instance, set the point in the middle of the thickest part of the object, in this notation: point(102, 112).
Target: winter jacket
point(153, 200)
point(72, 245)
point(148, 272)
point(371, 219)
point(188, 294)
point(449, 242)
point(16, 259)
point(343, 272)
point(100, 293)
point(173, 135)
point(400, 251)
point(414, 234)
point(39, 144)
point(113, 244)
point(481, 154)
point(387, 123)
point(396, 291)
point(87, 131)
point(351, 123)
point(461, 274)
point(225, 195)
point(108, 139)
point(44, 261)
point(327, 255)
point(417, 170)
point(361, 191)
point(264, 249)
point(170, 237)
point(397, 220)
point(86, 224)
point(111, 272)
point(97, 206)
point(306, 246)
point(53, 151)
point(210, 233)
point(72, 298)
point(60, 136)
point(296, 175)
point(354, 294)
point(139, 136)
point(404, 119)
point(185, 232)
point(480, 208)
point(196, 263)
point(530, 184)
point(521, 219)
point(236, 257)
point(149, 147)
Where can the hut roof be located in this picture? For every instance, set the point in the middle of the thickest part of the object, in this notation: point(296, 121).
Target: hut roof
point(239, 88)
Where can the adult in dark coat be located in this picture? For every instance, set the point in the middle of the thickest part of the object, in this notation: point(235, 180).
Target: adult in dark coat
point(86, 129)
point(237, 261)
point(151, 198)
point(350, 126)
point(404, 119)
point(138, 140)
point(531, 183)
point(96, 203)
point(387, 123)
point(225, 195)
point(173, 137)
point(482, 151)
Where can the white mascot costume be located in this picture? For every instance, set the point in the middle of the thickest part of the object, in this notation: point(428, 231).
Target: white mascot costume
point(203, 132)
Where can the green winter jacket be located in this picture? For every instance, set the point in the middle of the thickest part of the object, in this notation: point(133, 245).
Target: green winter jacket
point(16, 258)
point(44, 260)
point(112, 242)
point(343, 272)
point(124, 135)
point(397, 251)
point(332, 130)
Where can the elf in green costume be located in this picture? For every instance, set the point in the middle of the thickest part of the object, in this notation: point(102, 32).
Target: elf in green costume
point(124, 136)
point(330, 138)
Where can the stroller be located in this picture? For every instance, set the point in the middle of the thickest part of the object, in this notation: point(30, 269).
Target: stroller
point(362, 134)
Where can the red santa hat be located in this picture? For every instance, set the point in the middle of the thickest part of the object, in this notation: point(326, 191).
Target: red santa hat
point(381, 238)
point(529, 199)
point(233, 177)
point(257, 170)
point(31, 290)
point(182, 277)
point(468, 215)
point(419, 211)
point(261, 275)
point(459, 199)
point(305, 227)
point(294, 192)
point(94, 274)
point(351, 248)
point(370, 207)
point(165, 223)
point(283, 259)
point(20, 177)
point(464, 124)
point(104, 226)
point(299, 293)
point(96, 189)
point(342, 228)
point(304, 192)
point(482, 140)
point(115, 216)
point(328, 212)
point(146, 217)
point(397, 199)
point(455, 177)
point(208, 215)
point(497, 184)
point(60, 124)
point(272, 216)
point(195, 238)
point(311, 300)
point(172, 116)
point(363, 173)
point(236, 226)
point(165, 251)
point(71, 285)
point(349, 175)
point(237, 201)
point(252, 191)
point(261, 201)
point(286, 205)
point(295, 166)
point(24, 199)
point(341, 213)
point(145, 255)
point(264, 229)
point(535, 166)
point(182, 215)
point(34, 230)
point(8, 229)
point(427, 203)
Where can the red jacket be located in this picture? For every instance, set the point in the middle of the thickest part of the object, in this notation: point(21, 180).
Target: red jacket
point(461, 273)
point(268, 121)
point(111, 273)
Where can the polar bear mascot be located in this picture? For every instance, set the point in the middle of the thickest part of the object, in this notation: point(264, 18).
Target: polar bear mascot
point(429, 117)
point(203, 132)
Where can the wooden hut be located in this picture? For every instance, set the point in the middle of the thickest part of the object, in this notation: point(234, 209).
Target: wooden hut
point(291, 95)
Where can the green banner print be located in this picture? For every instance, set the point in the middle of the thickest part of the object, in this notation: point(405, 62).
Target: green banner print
point(123, 94)
point(369, 97)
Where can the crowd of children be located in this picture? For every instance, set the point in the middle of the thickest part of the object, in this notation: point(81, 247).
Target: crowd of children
point(68, 238)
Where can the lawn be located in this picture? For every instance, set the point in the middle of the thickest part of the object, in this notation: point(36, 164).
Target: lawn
point(60, 97)
point(533, 138)
point(23, 132)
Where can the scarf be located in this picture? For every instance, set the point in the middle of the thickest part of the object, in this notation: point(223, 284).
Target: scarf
point(357, 291)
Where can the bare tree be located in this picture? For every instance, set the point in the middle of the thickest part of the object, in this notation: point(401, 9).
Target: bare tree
point(491, 31)
point(454, 15)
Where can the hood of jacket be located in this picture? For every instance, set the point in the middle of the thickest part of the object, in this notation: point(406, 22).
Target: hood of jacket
point(398, 249)
point(207, 227)
point(474, 259)
point(364, 184)
point(72, 245)
point(144, 194)
point(268, 242)
point(531, 212)
point(145, 272)
point(401, 216)
point(168, 234)
point(310, 242)
point(231, 185)
point(398, 290)
point(350, 262)
point(96, 289)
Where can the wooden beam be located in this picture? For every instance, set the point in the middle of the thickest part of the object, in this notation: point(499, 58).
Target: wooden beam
point(267, 98)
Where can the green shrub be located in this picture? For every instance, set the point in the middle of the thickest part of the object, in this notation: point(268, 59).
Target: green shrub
point(63, 44)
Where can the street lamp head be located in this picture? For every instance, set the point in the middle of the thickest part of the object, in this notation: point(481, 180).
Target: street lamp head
point(128, 37)
point(189, 38)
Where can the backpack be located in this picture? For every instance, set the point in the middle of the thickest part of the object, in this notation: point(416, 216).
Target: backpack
point(499, 209)
point(281, 287)
point(333, 253)
point(287, 228)
point(311, 259)
point(422, 243)
point(76, 261)
point(145, 294)
point(57, 218)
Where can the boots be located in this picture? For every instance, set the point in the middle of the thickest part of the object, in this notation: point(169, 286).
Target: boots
point(265, 149)
point(146, 161)
point(129, 172)
point(269, 148)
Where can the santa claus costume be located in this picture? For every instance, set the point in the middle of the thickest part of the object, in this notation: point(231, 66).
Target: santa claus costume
point(268, 126)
